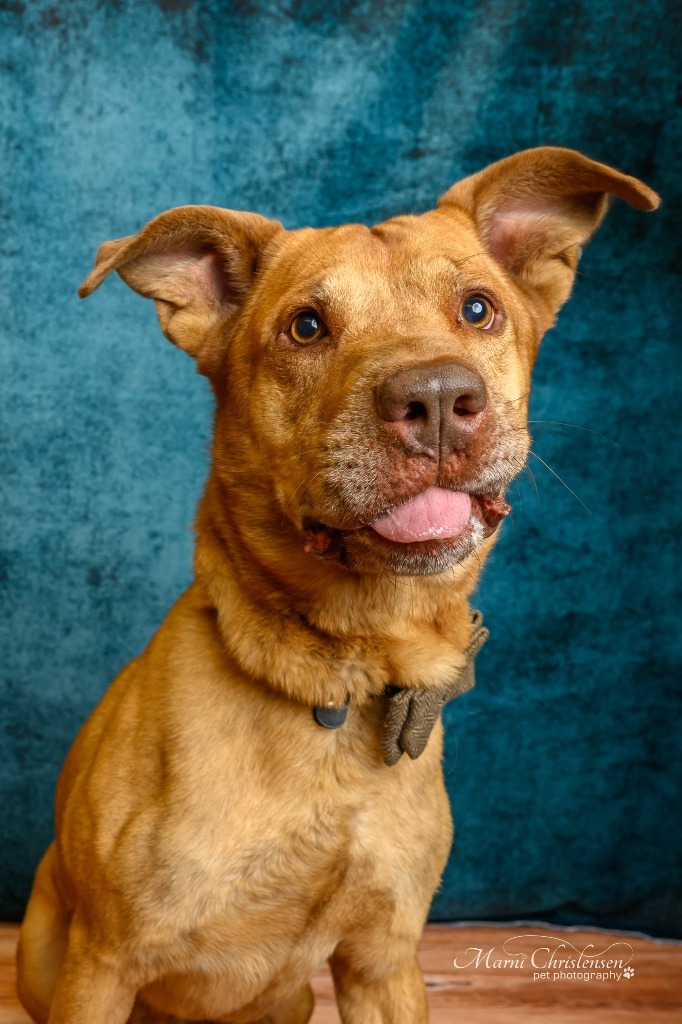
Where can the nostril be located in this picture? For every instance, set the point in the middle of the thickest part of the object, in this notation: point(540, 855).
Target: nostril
point(415, 411)
point(469, 404)
point(466, 405)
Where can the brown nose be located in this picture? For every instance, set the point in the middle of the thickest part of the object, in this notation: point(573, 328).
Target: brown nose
point(433, 409)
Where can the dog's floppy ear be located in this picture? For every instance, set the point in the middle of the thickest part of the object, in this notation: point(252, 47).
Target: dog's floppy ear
point(196, 262)
point(536, 210)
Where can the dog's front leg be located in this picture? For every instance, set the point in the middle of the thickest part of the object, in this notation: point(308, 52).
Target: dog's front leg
point(91, 989)
point(370, 992)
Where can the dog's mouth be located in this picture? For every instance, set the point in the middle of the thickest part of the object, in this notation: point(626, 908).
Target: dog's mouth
point(436, 514)
point(427, 523)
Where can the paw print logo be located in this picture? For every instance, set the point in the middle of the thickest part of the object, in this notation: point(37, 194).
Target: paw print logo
point(628, 972)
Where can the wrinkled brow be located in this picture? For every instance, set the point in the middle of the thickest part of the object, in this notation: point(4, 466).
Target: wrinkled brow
point(322, 293)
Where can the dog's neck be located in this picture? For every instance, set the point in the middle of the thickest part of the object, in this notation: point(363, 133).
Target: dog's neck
point(309, 627)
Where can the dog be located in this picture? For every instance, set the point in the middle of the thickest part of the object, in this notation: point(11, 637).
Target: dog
point(261, 789)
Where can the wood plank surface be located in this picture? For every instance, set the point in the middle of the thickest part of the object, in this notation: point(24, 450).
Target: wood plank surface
point(493, 992)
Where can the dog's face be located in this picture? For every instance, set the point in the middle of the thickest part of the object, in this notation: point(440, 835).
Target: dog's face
point(395, 363)
point(372, 383)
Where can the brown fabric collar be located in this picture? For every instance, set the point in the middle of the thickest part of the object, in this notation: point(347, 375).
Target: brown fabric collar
point(412, 714)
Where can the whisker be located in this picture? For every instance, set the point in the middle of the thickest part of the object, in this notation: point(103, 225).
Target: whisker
point(529, 472)
point(576, 426)
point(551, 430)
point(561, 481)
point(303, 482)
point(383, 594)
point(511, 401)
point(471, 256)
point(470, 574)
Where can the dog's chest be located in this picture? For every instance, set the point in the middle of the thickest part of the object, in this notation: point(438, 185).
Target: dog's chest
point(256, 907)
point(309, 841)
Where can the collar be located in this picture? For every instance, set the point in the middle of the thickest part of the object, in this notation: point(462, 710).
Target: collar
point(411, 713)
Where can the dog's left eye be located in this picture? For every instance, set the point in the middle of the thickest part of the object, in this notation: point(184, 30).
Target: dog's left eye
point(307, 328)
point(478, 312)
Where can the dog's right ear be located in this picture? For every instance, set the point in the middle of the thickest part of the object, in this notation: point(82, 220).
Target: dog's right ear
point(196, 262)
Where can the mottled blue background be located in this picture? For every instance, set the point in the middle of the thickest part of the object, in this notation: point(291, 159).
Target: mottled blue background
point(564, 763)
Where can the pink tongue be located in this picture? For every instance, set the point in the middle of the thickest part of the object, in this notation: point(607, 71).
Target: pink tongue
point(434, 515)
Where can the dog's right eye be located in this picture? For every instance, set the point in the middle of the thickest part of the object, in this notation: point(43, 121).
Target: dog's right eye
point(307, 328)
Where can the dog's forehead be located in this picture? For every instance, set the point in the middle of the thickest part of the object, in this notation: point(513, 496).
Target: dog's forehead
point(353, 265)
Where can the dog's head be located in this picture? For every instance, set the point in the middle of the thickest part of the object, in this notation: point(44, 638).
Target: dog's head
point(372, 383)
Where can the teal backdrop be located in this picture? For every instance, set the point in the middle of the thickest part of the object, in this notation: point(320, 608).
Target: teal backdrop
point(564, 763)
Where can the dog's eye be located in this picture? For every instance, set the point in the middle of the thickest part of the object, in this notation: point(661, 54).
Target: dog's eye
point(307, 328)
point(478, 312)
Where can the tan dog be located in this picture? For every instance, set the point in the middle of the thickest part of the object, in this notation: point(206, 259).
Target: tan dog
point(214, 843)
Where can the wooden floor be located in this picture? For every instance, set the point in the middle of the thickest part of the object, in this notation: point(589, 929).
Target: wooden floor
point(503, 994)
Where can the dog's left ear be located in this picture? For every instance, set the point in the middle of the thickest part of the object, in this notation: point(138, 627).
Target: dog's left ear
point(536, 210)
point(197, 263)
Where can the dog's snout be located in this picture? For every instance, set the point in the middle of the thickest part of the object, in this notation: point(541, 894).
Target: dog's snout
point(434, 408)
